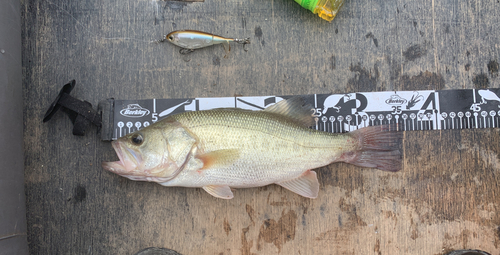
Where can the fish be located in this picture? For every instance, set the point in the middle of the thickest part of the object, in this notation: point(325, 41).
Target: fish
point(192, 39)
point(227, 148)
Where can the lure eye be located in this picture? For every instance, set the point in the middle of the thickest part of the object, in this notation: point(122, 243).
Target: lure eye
point(137, 139)
point(171, 38)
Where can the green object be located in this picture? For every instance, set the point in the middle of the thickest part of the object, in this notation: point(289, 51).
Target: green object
point(308, 4)
point(326, 9)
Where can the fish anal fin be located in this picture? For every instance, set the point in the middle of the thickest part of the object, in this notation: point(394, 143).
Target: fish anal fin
point(305, 185)
point(219, 191)
point(219, 158)
point(294, 108)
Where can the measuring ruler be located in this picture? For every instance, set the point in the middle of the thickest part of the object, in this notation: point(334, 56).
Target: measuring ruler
point(336, 113)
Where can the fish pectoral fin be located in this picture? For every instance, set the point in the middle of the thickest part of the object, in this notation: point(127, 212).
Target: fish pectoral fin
point(305, 185)
point(219, 191)
point(220, 158)
point(294, 108)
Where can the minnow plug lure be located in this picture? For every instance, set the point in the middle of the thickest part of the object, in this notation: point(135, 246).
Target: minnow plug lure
point(189, 40)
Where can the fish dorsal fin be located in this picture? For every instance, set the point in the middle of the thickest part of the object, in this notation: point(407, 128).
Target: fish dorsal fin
point(305, 185)
point(219, 191)
point(294, 108)
point(220, 158)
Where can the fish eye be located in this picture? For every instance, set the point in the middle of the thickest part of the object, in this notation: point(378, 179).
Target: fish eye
point(137, 139)
point(171, 38)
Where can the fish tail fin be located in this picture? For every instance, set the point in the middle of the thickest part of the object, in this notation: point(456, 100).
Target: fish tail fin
point(378, 148)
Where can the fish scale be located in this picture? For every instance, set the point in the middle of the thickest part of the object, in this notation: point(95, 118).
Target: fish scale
point(250, 132)
point(259, 122)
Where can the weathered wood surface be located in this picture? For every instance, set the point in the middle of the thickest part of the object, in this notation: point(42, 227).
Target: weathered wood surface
point(446, 197)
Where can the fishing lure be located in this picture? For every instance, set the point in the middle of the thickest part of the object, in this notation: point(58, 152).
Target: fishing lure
point(189, 40)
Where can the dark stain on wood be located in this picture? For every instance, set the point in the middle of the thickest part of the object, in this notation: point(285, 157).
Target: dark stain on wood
point(79, 194)
point(423, 81)
point(363, 80)
point(342, 175)
point(353, 219)
point(245, 244)
point(178, 5)
point(251, 213)
point(333, 63)
point(278, 232)
point(371, 36)
point(377, 247)
point(283, 200)
point(493, 67)
point(497, 237)
point(395, 66)
point(415, 51)
point(258, 33)
point(447, 28)
point(481, 81)
point(464, 237)
point(322, 210)
point(216, 61)
point(414, 229)
point(391, 215)
point(243, 23)
point(227, 226)
point(337, 237)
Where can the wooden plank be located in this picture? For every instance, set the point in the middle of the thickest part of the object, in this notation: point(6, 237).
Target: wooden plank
point(445, 198)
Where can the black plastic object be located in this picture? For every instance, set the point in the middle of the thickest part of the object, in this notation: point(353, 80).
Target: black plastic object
point(80, 112)
point(12, 199)
point(157, 251)
point(468, 252)
point(105, 109)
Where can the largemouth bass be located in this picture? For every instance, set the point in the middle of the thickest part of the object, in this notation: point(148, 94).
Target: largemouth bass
point(222, 149)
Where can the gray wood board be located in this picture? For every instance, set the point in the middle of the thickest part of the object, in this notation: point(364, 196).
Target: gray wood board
point(445, 198)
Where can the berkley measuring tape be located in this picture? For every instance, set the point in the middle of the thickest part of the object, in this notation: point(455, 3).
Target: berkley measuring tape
point(336, 113)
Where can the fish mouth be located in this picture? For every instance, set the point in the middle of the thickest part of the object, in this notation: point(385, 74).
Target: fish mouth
point(127, 163)
point(115, 166)
point(130, 165)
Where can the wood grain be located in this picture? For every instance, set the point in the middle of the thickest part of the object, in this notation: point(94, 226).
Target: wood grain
point(445, 198)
